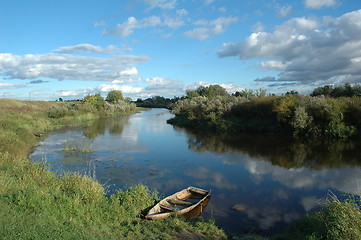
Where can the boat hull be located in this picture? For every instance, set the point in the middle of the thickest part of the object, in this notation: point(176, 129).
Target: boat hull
point(189, 202)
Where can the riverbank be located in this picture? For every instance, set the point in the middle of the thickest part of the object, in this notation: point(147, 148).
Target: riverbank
point(37, 204)
point(294, 115)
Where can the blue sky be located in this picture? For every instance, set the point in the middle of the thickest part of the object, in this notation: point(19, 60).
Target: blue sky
point(68, 49)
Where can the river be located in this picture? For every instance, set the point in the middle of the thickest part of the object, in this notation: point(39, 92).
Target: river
point(259, 183)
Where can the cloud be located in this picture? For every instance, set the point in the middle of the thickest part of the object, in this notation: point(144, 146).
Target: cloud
point(7, 95)
point(11, 86)
point(208, 2)
point(67, 93)
point(267, 216)
point(163, 87)
point(101, 23)
point(163, 4)
point(123, 29)
point(344, 179)
point(127, 28)
point(273, 65)
point(103, 89)
point(230, 88)
point(129, 72)
point(205, 176)
point(222, 9)
point(156, 86)
point(307, 50)
point(284, 11)
point(182, 12)
point(258, 27)
point(266, 79)
point(210, 28)
point(317, 4)
point(70, 67)
point(309, 202)
point(86, 48)
point(39, 81)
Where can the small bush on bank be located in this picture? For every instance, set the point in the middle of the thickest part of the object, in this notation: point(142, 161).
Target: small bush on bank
point(337, 221)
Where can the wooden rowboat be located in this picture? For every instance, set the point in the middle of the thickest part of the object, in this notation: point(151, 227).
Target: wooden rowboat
point(189, 202)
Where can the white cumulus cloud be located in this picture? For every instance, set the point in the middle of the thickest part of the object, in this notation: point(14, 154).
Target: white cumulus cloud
point(70, 67)
point(306, 50)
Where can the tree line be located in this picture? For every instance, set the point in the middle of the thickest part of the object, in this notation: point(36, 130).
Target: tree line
point(346, 90)
point(331, 112)
point(326, 115)
point(156, 102)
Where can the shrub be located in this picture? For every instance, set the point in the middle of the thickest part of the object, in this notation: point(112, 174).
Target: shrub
point(301, 120)
point(284, 107)
point(96, 100)
point(70, 109)
point(203, 108)
point(57, 111)
point(114, 96)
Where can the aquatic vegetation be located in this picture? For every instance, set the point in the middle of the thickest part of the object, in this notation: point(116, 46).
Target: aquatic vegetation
point(81, 146)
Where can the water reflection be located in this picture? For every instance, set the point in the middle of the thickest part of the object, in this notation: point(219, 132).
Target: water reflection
point(282, 151)
point(286, 160)
point(273, 180)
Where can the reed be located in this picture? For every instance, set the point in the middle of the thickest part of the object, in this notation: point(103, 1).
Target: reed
point(82, 146)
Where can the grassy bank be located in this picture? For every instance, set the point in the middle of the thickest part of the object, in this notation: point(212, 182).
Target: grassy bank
point(36, 204)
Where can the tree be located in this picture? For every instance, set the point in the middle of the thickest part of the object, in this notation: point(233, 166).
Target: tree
point(325, 90)
point(245, 93)
point(211, 91)
point(128, 99)
point(217, 90)
point(97, 100)
point(191, 94)
point(114, 96)
point(348, 90)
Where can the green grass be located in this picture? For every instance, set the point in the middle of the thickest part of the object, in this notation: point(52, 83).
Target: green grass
point(37, 204)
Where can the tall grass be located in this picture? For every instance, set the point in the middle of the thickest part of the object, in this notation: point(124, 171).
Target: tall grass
point(37, 204)
point(337, 221)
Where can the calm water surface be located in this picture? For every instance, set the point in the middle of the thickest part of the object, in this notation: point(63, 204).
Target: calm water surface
point(272, 180)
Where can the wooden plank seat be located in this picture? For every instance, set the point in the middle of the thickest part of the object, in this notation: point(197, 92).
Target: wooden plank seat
point(179, 202)
point(166, 207)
